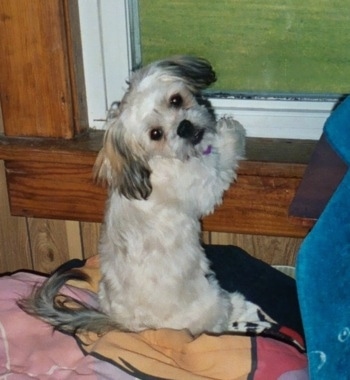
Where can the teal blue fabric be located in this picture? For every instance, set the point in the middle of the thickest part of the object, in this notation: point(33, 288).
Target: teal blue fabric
point(323, 269)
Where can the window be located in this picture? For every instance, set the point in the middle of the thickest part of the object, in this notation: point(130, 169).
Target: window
point(286, 46)
point(270, 59)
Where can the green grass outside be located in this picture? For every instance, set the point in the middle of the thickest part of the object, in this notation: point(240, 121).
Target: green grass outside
point(287, 46)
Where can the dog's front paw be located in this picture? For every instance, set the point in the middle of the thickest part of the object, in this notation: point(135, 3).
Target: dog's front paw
point(231, 147)
point(232, 134)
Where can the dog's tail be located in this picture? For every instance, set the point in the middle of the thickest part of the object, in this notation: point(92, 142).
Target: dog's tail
point(64, 312)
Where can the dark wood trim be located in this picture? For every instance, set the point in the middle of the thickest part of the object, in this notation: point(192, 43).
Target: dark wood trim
point(41, 77)
point(75, 64)
point(80, 150)
point(51, 178)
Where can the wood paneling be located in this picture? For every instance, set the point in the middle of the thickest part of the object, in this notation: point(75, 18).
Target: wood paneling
point(257, 204)
point(74, 239)
point(271, 249)
point(14, 243)
point(54, 190)
point(50, 243)
point(40, 93)
point(90, 233)
point(75, 66)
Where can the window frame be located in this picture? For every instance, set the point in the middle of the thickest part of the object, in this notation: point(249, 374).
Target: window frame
point(110, 23)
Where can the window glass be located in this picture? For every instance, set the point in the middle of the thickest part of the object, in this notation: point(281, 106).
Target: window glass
point(270, 46)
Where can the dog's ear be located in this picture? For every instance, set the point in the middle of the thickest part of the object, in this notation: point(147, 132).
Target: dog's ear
point(121, 166)
point(196, 72)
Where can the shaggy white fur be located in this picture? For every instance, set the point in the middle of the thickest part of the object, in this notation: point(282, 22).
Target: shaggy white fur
point(167, 162)
point(155, 273)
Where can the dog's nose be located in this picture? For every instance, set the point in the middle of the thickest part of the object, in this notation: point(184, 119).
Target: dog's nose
point(188, 131)
point(185, 129)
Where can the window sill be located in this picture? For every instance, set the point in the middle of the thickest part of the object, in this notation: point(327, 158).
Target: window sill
point(51, 178)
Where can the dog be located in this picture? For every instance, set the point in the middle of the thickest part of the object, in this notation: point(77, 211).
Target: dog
point(166, 161)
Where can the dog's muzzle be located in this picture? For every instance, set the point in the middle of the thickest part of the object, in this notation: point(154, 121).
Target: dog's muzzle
point(188, 131)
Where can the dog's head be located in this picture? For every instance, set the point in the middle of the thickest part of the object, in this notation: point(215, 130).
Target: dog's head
point(162, 114)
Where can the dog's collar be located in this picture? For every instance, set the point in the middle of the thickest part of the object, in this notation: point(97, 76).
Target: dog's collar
point(208, 150)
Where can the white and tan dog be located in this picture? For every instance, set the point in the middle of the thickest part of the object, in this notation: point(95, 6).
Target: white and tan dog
point(167, 162)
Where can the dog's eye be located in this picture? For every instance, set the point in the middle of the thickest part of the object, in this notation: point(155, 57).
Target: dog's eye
point(156, 134)
point(176, 101)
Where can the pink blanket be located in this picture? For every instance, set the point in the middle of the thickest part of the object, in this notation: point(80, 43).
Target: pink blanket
point(30, 349)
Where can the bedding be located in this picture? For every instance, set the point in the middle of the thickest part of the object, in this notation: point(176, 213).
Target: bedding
point(29, 348)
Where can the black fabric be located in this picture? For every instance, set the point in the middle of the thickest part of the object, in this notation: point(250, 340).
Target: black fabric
point(260, 283)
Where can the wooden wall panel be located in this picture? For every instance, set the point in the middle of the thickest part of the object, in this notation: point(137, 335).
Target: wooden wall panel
point(206, 237)
point(54, 190)
point(39, 90)
point(50, 243)
point(90, 233)
point(39, 171)
point(74, 242)
point(258, 204)
point(14, 244)
point(271, 249)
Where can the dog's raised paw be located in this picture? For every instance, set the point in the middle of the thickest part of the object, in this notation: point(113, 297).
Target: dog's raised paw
point(230, 126)
point(231, 135)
